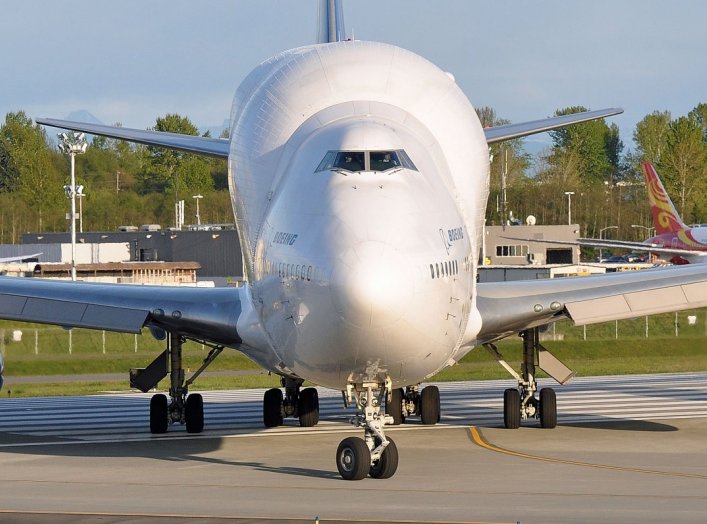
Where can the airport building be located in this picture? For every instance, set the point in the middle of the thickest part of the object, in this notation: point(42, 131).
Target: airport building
point(523, 245)
point(212, 253)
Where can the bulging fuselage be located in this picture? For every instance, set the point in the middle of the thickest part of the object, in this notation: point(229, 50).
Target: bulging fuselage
point(359, 173)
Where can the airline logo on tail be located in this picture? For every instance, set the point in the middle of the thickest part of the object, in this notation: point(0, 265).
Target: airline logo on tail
point(665, 216)
point(670, 230)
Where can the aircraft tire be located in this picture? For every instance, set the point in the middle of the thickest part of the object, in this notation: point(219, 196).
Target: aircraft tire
point(511, 408)
point(394, 408)
point(430, 405)
point(387, 465)
point(194, 413)
point(308, 407)
point(159, 415)
point(272, 408)
point(548, 408)
point(353, 459)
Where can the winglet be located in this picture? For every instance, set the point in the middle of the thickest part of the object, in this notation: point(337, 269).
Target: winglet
point(665, 217)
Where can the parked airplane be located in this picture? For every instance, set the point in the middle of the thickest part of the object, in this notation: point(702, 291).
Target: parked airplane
point(19, 258)
point(359, 175)
point(683, 244)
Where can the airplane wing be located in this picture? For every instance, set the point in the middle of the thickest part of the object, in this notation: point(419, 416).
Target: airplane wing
point(619, 244)
point(18, 258)
point(510, 307)
point(510, 131)
point(208, 314)
point(215, 147)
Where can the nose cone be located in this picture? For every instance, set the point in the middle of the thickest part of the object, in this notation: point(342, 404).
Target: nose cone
point(372, 285)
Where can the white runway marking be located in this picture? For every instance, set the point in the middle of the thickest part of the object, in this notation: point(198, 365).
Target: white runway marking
point(120, 417)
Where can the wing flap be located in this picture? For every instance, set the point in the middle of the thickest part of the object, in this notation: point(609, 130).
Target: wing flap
point(511, 307)
point(71, 314)
point(630, 305)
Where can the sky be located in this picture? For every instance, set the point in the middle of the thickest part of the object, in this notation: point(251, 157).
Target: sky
point(132, 61)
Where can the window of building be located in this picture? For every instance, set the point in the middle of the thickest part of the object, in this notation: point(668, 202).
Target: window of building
point(518, 250)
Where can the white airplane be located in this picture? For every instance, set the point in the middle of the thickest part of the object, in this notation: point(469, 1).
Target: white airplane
point(19, 258)
point(359, 174)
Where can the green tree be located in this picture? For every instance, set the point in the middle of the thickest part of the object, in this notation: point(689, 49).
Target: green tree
point(650, 137)
point(29, 166)
point(171, 171)
point(509, 163)
point(594, 149)
point(699, 114)
point(683, 165)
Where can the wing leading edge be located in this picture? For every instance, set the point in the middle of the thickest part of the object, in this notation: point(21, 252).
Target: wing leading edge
point(511, 131)
point(215, 147)
point(209, 314)
point(511, 307)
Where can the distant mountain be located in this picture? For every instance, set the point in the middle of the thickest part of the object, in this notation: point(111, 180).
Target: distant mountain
point(83, 116)
point(215, 131)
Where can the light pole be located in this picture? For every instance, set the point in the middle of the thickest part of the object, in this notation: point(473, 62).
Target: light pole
point(601, 232)
point(648, 229)
point(569, 206)
point(80, 194)
point(198, 217)
point(650, 235)
point(72, 144)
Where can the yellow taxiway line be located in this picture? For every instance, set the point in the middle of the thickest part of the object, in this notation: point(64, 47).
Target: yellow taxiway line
point(480, 441)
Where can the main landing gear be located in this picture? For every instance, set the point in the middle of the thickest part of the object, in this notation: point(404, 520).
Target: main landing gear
point(182, 407)
point(375, 454)
point(521, 403)
point(295, 403)
point(402, 403)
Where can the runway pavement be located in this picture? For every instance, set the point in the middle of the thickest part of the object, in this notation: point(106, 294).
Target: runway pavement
point(627, 449)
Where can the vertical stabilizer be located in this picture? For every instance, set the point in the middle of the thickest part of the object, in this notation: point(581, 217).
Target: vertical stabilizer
point(331, 21)
point(665, 217)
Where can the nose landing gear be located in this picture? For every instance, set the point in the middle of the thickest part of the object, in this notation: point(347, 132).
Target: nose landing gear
point(375, 454)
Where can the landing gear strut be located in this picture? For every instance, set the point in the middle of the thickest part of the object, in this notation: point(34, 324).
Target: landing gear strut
point(182, 408)
point(375, 454)
point(303, 404)
point(521, 403)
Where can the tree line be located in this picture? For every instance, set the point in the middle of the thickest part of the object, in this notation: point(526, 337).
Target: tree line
point(589, 160)
point(129, 184)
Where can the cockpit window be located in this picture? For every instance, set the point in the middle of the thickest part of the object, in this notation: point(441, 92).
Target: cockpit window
point(384, 160)
point(351, 160)
point(366, 161)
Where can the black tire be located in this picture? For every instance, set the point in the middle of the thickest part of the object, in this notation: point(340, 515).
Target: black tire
point(394, 408)
point(429, 405)
point(308, 407)
point(511, 408)
point(159, 415)
point(387, 465)
point(272, 408)
point(194, 413)
point(353, 459)
point(548, 408)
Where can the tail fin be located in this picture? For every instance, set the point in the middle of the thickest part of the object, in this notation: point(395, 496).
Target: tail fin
point(665, 217)
point(331, 22)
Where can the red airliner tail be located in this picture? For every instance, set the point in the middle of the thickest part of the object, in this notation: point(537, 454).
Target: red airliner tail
point(665, 217)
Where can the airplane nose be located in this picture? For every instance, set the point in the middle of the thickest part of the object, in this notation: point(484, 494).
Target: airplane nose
point(372, 285)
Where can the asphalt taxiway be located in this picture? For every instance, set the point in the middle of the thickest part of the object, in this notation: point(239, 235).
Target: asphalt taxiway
point(591, 468)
